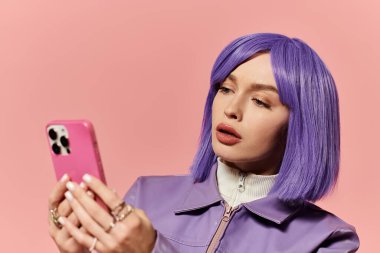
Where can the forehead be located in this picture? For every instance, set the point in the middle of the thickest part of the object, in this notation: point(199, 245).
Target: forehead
point(257, 69)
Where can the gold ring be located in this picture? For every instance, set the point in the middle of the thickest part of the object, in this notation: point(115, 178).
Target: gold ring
point(54, 216)
point(117, 209)
point(122, 215)
point(92, 248)
point(111, 226)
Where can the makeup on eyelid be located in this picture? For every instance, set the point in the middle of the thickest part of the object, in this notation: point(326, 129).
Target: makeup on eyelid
point(259, 101)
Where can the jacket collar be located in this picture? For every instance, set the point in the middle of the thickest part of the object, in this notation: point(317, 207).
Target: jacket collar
point(206, 193)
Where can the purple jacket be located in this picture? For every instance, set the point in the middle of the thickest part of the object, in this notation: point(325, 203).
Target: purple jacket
point(193, 218)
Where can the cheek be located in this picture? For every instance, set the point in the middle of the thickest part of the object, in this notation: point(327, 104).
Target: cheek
point(264, 130)
point(214, 118)
point(216, 109)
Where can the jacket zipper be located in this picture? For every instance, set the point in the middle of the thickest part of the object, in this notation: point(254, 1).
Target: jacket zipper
point(241, 185)
point(228, 211)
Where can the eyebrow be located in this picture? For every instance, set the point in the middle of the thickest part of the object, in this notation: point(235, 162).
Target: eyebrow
point(255, 86)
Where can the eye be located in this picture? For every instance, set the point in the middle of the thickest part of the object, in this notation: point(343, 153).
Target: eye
point(261, 103)
point(224, 90)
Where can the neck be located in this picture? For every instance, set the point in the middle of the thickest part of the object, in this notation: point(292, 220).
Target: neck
point(261, 167)
point(238, 187)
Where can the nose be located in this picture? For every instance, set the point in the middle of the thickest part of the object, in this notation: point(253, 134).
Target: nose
point(233, 109)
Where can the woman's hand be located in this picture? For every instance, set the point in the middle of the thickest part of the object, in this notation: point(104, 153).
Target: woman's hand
point(64, 241)
point(133, 233)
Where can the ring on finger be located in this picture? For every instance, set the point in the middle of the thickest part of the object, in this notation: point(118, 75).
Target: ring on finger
point(93, 244)
point(54, 216)
point(122, 215)
point(117, 209)
point(111, 226)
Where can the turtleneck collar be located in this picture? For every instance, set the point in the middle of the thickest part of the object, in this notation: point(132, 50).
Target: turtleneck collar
point(238, 187)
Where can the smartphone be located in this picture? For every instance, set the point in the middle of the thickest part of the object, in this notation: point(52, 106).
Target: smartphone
point(74, 149)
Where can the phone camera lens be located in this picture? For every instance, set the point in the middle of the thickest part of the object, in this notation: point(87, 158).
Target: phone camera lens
point(64, 141)
point(52, 134)
point(56, 149)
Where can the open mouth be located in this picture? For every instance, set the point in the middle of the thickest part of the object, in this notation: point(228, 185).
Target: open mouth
point(226, 132)
point(226, 137)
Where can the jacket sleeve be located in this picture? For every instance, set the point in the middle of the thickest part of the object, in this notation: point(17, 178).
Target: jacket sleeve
point(342, 240)
point(162, 244)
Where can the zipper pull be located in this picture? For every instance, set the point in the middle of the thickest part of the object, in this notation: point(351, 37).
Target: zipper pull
point(241, 186)
point(227, 213)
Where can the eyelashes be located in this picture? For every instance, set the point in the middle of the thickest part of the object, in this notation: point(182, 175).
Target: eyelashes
point(260, 103)
point(223, 89)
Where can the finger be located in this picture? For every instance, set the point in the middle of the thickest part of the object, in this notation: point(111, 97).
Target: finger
point(56, 194)
point(130, 223)
point(80, 236)
point(53, 229)
point(83, 186)
point(86, 220)
point(70, 245)
point(61, 235)
point(97, 213)
point(109, 197)
point(64, 208)
point(91, 194)
point(73, 219)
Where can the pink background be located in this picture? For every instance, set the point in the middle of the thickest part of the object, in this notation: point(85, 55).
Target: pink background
point(140, 71)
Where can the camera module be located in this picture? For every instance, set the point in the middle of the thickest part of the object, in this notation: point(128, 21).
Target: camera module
point(52, 134)
point(56, 149)
point(64, 141)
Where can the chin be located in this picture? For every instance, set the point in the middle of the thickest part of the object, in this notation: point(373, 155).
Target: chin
point(226, 154)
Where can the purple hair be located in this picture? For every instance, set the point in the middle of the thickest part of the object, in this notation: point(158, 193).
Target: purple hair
point(310, 165)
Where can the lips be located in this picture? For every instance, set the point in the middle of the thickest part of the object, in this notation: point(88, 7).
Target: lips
point(228, 130)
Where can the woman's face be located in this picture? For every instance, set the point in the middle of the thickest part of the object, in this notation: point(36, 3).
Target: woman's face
point(248, 101)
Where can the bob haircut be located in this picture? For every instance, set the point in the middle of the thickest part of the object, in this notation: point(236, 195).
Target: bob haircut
point(310, 165)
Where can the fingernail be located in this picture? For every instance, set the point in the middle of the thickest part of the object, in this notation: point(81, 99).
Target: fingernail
point(70, 186)
point(64, 177)
point(87, 178)
point(68, 196)
point(60, 220)
point(82, 185)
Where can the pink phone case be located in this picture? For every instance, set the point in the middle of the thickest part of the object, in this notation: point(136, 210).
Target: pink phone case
point(76, 155)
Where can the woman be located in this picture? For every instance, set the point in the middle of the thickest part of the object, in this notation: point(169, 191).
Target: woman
point(269, 148)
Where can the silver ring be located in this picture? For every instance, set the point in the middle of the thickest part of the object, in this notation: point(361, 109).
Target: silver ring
point(93, 244)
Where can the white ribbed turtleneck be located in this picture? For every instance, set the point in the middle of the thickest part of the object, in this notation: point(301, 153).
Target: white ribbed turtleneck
point(238, 187)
